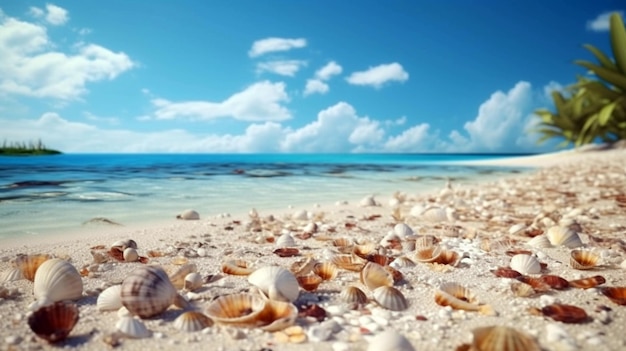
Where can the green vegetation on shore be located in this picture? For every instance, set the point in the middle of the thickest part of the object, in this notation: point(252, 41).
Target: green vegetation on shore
point(26, 149)
point(593, 108)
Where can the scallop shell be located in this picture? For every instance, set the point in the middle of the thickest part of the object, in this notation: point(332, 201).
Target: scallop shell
point(29, 264)
point(501, 338)
point(565, 313)
point(349, 262)
point(12, 274)
point(525, 264)
point(188, 215)
point(54, 322)
point(517, 228)
point(148, 291)
point(460, 298)
point(374, 275)
point(540, 242)
point(340, 242)
point(403, 231)
point(277, 315)
point(390, 340)
point(434, 214)
point(57, 280)
point(364, 250)
point(522, 289)
point(237, 267)
point(304, 267)
point(193, 281)
point(192, 321)
point(448, 257)
point(276, 283)
point(132, 328)
point(402, 262)
point(326, 270)
point(584, 259)
point(309, 282)
point(286, 252)
point(565, 236)
point(130, 254)
point(236, 309)
point(427, 254)
point(178, 277)
point(617, 294)
point(390, 298)
point(285, 240)
point(587, 283)
point(425, 241)
point(110, 299)
point(352, 295)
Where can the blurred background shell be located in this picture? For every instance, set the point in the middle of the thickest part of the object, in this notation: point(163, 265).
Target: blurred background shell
point(28, 264)
point(502, 338)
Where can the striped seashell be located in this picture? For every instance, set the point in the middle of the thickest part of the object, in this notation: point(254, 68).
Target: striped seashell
point(28, 264)
point(525, 264)
point(460, 298)
point(390, 340)
point(192, 321)
point(540, 242)
point(374, 275)
point(427, 254)
point(57, 280)
point(237, 267)
point(309, 282)
point(537, 283)
point(276, 283)
point(178, 277)
point(11, 274)
point(340, 242)
point(110, 299)
point(402, 262)
point(364, 250)
point(326, 270)
point(349, 262)
point(148, 291)
point(425, 241)
point(584, 259)
point(236, 309)
point(587, 283)
point(502, 338)
point(448, 257)
point(434, 214)
point(277, 315)
point(132, 327)
point(564, 236)
point(353, 296)
point(54, 322)
point(390, 298)
point(285, 240)
point(616, 294)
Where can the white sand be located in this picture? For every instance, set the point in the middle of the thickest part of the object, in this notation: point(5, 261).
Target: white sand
point(588, 181)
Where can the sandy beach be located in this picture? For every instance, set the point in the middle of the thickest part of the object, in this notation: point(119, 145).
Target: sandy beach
point(481, 228)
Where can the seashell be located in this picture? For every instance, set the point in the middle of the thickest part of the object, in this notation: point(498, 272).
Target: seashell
point(427, 254)
point(286, 252)
point(378, 258)
point(565, 313)
point(425, 241)
point(301, 215)
point(116, 253)
point(309, 282)
point(147, 292)
point(584, 259)
point(522, 289)
point(587, 283)
point(178, 277)
point(390, 298)
point(352, 295)
point(448, 257)
point(193, 281)
point(285, 240)
point(326, 270)
point(277, 315)
point(348, 262)
point(276, 283)
point(374, 275)
point(525, 264)
point(617, 294)
point(57, 280)
point(514, 252)
point(506, 272)
point(28, 264)
point(517, 228)
point(340, 242)
point(192, 321)
point(179, 260)
point(491, 245)
point(364, 250)
point(501, 338)
point(132, 327)
point(564, 236)
point(110, 299)
point(310, 228)
point(536, 283)
point(368, 201)
point(54, 322)
point(390, 340)
point(237, 267)
point(460, 298)
point(236, 309)
point(391, 240)
point(395, 274)
point(403, 231)
point(434, 214)
point(130, 254)
point(11, 274)
point(188, 215)
point(304, 267)
point(402, 262)
point(124, 244)
point(555, 282)
point(540, 242)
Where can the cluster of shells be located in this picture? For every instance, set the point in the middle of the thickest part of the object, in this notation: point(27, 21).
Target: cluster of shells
point(297, 277)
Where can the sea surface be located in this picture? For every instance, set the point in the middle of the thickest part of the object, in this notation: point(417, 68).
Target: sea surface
point(51, 194)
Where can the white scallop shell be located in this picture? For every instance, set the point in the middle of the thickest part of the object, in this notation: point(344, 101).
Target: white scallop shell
point(403, 231)
point(275, 282)
point(57, 280)
point(193, 281)
point(147, 291)
point(540, 242)
point(390, 340)
point(189, 215)
point(525, 264)
point(565, 236)
point(11, 275)
point(130, 254)
point(192, 321)
point(390, 298)
point(133, 328)
point(285, 240)
point(110, 299)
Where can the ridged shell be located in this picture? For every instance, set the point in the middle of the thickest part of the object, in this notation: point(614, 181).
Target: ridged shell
point(349, 262)
point(285, 240)
point(189, 215)
point(434, 214)
point(390, 340)
point(237, 267)
point(448, 257)
point(29, 264)
point(425, 241)
point(403, 231)
point(584, 259)
point(402, 262)
point(178, 277)
point(564, 236)
point(540, 242)
point(390, 298)
point(525, 264)
point(304, 266)
point(617, 294)
point(352, 295)
point(555, 282)
point(276, 283)
point(132, 327)
point(587, 283)
point(12, 274)
point(130, 254)
point(427, 254)
point(364, 250)
point(147, 291)
point(506, 272)
point(374, 275)
point(236, 309)
point(460, 298)
point(277, 315)
point(57, 280)
point(501, 338)
point(193, 281)
point(192, 321)
point(340, 242)
point(309, 282)
point(522, 289)
point(110, 299)
point(565, 313)
point(54, 322)
point(326, 270)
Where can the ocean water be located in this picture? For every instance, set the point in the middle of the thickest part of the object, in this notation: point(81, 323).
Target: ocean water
point(50, 194)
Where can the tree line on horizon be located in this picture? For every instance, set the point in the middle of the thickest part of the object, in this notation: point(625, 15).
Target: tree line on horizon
point(26, 148)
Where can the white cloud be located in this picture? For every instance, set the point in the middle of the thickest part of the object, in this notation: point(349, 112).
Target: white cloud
point(414, 139)
point(267, 45)
point(36, 12)
point(110, 120)
point(30, 67)
point(281, 67)
point(551, 87)
point(258, 102)
point(315, 86)
point(326, 72)
point(56, 15)
point(379, 75)
point(601, 22)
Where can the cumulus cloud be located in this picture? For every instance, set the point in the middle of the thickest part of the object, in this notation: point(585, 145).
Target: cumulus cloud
point(601, 22)
point(315, 86)
point(281, 67)
point(267, 45)
point(261, 101)
point(53, 14)
point(30, 66)
point(329, 70)
point(379, 75)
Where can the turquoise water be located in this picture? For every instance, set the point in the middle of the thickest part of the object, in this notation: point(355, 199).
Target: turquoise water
point(48, 194)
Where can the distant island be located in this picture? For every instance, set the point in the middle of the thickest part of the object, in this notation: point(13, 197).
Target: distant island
point(26, 149)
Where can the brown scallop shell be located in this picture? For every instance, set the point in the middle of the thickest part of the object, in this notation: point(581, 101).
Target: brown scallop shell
point(537, 283)
point(364, 250)
point(340, 242)
point(353, 295)
point(501, 338)
point(565, 313)
point(309, 282)
point(348, 262)
point(617, 294)
point(326, 270)
point(506, 272)
point(54, 322)
point(287, 252)
point(28, 264)
point(428, 254)
point(277, 315)
point(448, 257)
point(555, 282)
point(587, 283)
point(237, 267)
point(378, 258)
point(395, 274)
point(460, 298)
point(236, 309)
point(584, 259)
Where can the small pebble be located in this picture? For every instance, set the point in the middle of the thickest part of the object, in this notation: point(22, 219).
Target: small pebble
point(13, 340)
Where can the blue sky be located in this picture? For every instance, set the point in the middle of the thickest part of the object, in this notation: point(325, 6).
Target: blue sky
point(289, 76)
